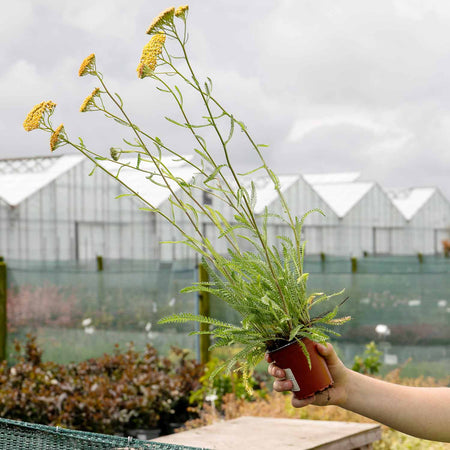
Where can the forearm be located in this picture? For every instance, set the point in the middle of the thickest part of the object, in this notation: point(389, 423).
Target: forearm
point(421, 412)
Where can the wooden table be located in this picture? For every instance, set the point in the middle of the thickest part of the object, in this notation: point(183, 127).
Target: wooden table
point(261, 433)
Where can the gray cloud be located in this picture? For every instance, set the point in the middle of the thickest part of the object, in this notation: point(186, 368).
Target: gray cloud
point(330, 86)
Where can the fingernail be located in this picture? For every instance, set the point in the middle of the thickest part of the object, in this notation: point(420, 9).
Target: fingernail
point(279, 373)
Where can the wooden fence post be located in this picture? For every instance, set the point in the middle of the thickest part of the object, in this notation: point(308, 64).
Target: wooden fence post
point(100, 282)
point(3, 315)
point(99, 263)
point(204, 310)
point(354, 265)
point(322, 261)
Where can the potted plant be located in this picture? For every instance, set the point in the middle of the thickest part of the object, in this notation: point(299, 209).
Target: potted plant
point(260, 277)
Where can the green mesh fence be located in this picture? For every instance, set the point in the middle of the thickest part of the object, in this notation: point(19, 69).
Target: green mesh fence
point(70, 305)
point(73, 306)
point(412, 298)
point(21, 435)
point(409, 296)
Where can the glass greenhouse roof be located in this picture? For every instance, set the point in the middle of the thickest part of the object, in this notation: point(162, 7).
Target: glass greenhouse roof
point(22, 177)
point(342, 197)
point(409, 201)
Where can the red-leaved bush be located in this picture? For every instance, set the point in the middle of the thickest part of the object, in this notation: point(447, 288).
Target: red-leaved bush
point(110, 394)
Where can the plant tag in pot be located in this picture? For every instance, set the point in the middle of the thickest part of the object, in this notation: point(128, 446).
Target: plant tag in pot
point(290, 376)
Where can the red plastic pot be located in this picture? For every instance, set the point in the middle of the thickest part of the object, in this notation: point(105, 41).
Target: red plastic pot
point(306, 382)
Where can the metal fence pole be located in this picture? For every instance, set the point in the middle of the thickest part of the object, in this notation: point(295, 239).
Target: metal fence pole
point(3, 315)
point(204, 310)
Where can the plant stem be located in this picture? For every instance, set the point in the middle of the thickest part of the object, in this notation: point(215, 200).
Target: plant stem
point(155, 162)
point(224, 146)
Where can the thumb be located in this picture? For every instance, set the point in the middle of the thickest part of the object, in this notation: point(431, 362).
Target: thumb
point(327, 351)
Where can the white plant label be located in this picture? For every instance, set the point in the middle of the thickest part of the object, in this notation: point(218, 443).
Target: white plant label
point(290, 376)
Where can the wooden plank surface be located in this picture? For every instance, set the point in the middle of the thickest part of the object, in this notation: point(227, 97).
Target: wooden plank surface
point(261, 433)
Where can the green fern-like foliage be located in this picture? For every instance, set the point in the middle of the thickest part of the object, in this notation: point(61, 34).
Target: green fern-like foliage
point(269, 291)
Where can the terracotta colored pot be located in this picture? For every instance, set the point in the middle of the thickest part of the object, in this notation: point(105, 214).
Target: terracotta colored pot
point(306, 381)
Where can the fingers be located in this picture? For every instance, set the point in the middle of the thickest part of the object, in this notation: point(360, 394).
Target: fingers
point(275, 371)
point(282, 385)
point(296, 403)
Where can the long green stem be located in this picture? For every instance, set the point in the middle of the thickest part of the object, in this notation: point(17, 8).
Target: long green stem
point(256, 148)
point(235, 177)
point(188, 123)
point(155, 162)
point(196, 86)
point(200, 207)
point(248, 211)
point(197, 138)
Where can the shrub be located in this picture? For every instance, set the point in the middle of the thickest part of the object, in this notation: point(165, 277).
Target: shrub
point(369, 362)
point(110, 394)
point(225, 383)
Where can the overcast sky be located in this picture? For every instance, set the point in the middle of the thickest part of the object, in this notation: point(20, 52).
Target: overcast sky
point(348, 85)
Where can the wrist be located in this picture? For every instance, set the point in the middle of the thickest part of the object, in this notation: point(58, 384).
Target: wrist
point(346, 383)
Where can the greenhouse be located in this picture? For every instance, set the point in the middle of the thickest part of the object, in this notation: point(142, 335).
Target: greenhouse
point(367, 217)
point(427, 215)
point(52, 210)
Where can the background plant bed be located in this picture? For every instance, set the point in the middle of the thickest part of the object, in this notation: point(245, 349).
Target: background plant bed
point(113, 394)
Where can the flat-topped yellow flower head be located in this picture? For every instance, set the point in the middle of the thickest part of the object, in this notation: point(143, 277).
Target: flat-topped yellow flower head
point(164, 18)
point(35, 116)
point(150, 54)
point(89, 102)
point(181, 11)
point(55, 138)
point(87, 66)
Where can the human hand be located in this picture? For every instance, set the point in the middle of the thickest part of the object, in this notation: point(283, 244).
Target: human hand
point(334, 395)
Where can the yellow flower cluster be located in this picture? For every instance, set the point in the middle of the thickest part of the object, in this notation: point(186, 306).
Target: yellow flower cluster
point(87, 66)
point(181, 11)
point(164, 18)
point(89, 100)
point(34, 117)
point(150, 54)
point(55, 138)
